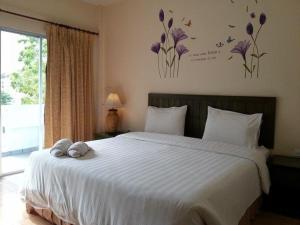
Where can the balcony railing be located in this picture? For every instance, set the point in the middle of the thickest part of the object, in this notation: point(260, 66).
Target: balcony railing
point(21, 129)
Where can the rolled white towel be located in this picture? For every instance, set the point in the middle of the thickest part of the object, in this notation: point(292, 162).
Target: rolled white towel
point(78, 149)
point(60, 148)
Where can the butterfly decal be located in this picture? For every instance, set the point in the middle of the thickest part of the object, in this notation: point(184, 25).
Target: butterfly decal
point(252, 15)
point(188, 24)
point(230, 39)
point(220, 44)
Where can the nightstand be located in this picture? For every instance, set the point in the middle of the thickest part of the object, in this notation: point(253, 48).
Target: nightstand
point(284, 195)
point(104, 135)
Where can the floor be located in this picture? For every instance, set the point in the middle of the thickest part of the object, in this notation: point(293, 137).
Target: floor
point(12, 210)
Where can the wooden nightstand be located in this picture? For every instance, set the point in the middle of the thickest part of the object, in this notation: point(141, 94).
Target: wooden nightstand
point(285, 185)
point(104, 135)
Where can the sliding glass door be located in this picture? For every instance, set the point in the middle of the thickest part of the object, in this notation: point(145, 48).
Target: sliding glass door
point(23, 63)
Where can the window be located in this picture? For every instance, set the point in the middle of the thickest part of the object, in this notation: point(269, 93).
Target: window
point(23, 64)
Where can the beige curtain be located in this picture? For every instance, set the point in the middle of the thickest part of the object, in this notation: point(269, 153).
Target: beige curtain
point(69, 94)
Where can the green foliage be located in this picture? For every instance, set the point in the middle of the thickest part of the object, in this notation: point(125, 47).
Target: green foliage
point(5, 98)
point(26, 81)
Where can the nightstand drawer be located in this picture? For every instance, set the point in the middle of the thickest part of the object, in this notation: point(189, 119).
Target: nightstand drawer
point(285, 201)
point(284, 195)
point(286, 177)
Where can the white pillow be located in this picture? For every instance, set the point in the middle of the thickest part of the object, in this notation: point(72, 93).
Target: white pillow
point(232, 127)
point(166, 120)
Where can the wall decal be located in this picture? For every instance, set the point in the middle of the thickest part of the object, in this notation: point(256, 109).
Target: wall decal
point(251, 66)
point(204, 56)
point(230, 39)
point(169, 49)
point(220, 44)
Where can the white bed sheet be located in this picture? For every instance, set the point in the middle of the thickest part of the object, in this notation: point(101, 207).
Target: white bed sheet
point(149, 179)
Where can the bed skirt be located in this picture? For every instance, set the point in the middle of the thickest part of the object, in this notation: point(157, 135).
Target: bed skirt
point(47, 214)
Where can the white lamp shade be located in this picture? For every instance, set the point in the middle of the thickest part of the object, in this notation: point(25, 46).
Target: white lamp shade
point(113, 101)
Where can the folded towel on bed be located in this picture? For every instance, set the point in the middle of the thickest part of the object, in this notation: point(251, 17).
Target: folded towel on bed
point(78, 149)
point(60, 148)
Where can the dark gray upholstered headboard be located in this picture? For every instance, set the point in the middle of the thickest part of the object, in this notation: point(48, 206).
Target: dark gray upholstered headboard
point(197, 111)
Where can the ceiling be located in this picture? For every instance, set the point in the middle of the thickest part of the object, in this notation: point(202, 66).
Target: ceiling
point(101, 2)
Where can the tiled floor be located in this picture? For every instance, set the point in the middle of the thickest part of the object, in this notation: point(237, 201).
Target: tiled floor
point(12, 210)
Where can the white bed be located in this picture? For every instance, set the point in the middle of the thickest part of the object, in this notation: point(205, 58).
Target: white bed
point(149, 179)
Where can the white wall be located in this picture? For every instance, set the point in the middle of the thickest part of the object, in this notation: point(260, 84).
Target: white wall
point(70, 12)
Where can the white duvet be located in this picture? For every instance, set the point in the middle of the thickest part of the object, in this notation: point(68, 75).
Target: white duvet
point(149, 179)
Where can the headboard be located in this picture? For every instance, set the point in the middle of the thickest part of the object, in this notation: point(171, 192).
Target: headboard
point(197, 111)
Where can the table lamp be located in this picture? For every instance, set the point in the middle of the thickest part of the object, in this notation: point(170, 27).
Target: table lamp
point(112, 119)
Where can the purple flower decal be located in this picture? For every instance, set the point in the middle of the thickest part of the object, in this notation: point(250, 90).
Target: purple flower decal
point(250, 29)
point(181, 49)
point(178, 35)
point(161, 15)
point(242, 48)
point(155, 47)
point(163, 38)
point(253, 29)
point(170, 49)
point(170, 23)
point(262, 19)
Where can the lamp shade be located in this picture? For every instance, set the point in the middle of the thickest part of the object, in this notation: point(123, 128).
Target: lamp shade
point(113, 101)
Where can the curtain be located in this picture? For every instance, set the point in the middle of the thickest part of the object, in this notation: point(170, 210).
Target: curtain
point(68, 102)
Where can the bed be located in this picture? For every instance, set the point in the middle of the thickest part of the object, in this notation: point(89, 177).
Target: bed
point(144, 178)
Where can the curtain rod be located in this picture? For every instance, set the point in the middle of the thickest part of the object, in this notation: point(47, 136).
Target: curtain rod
point(46, 21)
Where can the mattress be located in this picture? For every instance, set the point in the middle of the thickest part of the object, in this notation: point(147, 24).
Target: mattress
point(148, 179)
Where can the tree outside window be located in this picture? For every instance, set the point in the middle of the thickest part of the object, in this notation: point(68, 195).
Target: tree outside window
point(26, 80)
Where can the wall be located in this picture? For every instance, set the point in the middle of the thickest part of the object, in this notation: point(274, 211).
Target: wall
point(71, 12)
point(132, 26)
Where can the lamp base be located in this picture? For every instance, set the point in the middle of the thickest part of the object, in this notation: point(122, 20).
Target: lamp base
point(112, 121)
